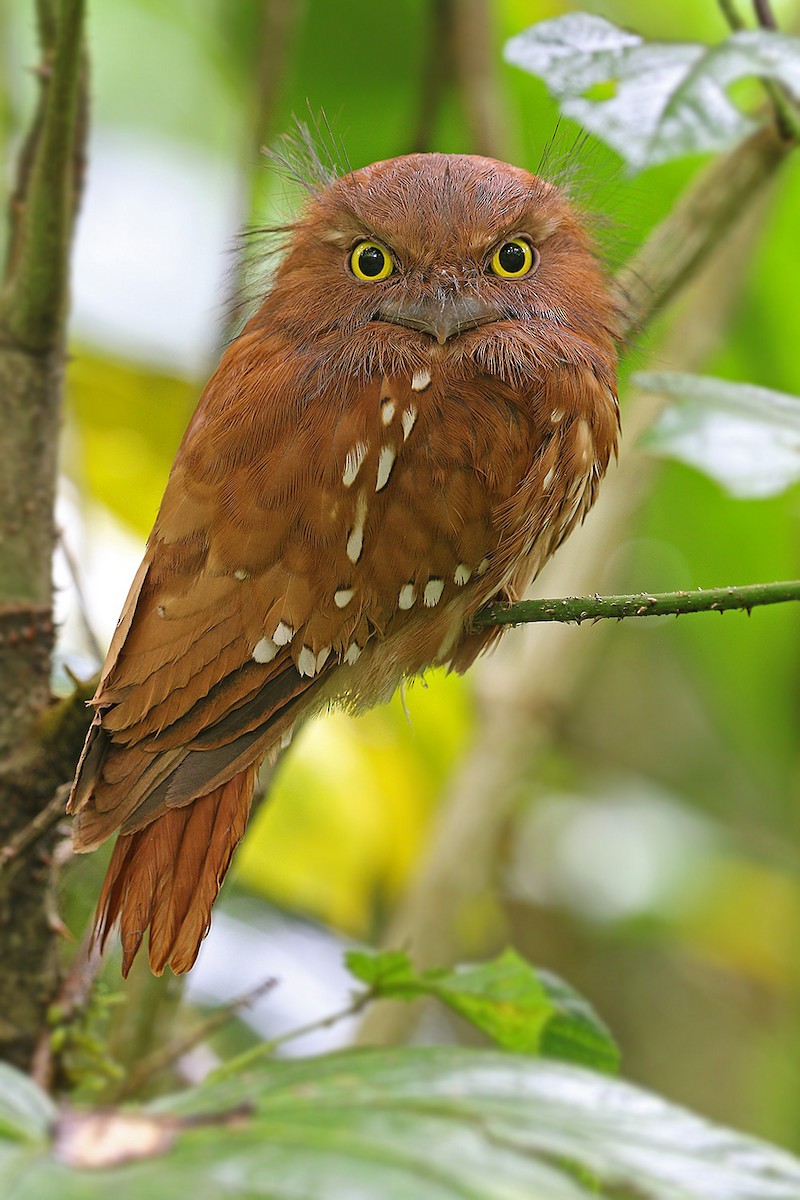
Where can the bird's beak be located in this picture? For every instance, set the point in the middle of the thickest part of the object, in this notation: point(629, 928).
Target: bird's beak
point(441, 317)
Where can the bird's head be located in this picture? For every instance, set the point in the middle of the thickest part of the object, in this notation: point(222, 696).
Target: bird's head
point(456, 257)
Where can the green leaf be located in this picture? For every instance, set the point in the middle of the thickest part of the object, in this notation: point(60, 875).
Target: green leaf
point(416, 1124)
point(25, 1110)
point(667, 99)
point(388, 972)
point(574, 1032)
point(519, 1008)
point(747, 438)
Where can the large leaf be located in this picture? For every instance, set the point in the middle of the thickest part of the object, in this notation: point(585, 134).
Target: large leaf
point(747, 438)
point(518, 1007)
point(666, 99)
point(420, 1124)
point(25, 1111)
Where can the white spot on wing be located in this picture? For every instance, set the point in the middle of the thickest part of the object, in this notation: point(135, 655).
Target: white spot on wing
point(322, 657)
point(483, 567)
point(556, 415)
point(353, 653)
point(343, 597)
point(385, 463)
point(286, 737)
point(264, 651)
point(548, 479)
point(433, 592)
point(409, 417)
point(283, 634)
point(583, 439)
point(355, 539)
point(307, 661)
point(387, 411)
point(352, 464)
point(240, 575)
point(407, 596)
point(461, 574)
point(420, 380)
point(355, 543)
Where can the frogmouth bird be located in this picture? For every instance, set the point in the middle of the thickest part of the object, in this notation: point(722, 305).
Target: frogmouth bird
point(417, 415)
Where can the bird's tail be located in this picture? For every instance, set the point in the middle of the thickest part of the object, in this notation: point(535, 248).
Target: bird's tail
point(167, 876)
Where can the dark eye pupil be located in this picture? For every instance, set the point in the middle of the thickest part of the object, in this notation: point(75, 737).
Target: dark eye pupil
point(371, 260)
point(511, 257)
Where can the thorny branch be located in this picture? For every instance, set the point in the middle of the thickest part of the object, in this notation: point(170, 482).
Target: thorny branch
point(644, 604)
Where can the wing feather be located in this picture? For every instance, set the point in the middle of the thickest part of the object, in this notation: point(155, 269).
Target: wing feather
point(167, 876)
point(305, 537)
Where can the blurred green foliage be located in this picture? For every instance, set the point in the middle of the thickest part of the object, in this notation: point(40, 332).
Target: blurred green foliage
point(349, 811)
point(702, 995)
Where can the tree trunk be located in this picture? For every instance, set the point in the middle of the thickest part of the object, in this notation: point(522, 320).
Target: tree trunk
point(37, 745)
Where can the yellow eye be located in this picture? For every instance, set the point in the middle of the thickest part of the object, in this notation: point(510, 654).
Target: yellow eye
point(371, 262)
point(513, 259)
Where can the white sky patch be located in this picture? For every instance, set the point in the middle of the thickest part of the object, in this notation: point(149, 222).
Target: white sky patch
point(153, 250)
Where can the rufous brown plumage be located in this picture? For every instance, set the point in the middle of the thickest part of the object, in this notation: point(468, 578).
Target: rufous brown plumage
point(418, 414)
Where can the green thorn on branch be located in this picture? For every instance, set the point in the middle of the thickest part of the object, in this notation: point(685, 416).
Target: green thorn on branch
point(643, 604)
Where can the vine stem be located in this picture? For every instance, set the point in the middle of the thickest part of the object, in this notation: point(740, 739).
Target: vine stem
point(262, 1050)
point(641, 604)
point(166, 1056)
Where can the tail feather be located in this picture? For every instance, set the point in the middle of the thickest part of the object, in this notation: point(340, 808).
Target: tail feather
point(167, 876)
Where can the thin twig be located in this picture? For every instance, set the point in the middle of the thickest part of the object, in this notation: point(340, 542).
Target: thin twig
point(642, 604)
point(764, 14)
point(243, 1062)
point(731, 15)
point(83, 609)
point(50, 815)
point(164, 1058)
